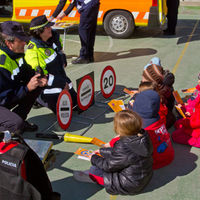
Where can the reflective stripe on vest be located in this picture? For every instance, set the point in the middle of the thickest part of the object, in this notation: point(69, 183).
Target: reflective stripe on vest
point(16, 71)
point(54, 46)
point(13, 66)
point(50, 58)
point(50, 80)
point(52, 91)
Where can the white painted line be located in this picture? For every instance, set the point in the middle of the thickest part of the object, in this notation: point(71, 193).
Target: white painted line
point(73, 41)
point(110, 43)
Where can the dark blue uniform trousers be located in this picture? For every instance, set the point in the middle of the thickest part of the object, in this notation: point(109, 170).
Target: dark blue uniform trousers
point(87, 31)
point(13, 121)
point(172, 14)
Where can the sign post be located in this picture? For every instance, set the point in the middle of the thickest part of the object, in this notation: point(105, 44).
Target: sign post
point(64, 109)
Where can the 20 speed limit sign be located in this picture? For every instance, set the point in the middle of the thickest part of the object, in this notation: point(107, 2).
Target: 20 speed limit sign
point(108, 81)
point(64, 109)
point(85, 92)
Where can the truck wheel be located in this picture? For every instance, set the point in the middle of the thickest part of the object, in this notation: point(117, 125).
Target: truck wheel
point(119, 24)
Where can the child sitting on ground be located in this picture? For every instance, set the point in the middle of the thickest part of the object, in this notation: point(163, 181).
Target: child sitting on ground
point(164, 80)
point(150, 86)
point(127, 167)
point(147, 105)
point(188, 129)
point(189, 106)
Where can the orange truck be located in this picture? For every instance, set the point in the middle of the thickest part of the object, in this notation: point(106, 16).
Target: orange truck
point(119, 18)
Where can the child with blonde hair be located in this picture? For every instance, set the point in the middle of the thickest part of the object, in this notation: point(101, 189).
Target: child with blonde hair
point(126, 168)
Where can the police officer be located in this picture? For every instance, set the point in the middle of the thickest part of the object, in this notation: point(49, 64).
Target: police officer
point(19, 86)
point(87, 27)
point(172, 15)
point(44, 52)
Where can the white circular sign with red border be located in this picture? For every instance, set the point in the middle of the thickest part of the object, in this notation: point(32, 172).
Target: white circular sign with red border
point(108, 81)
point(64, 109)
point(85, 92)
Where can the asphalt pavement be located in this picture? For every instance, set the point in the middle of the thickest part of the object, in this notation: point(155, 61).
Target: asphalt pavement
point(180, 54)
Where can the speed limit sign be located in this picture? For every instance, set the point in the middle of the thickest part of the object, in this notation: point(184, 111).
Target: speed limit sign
point(108, 81)
point(64, 109)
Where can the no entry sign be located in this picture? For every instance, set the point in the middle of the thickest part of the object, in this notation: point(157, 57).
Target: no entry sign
point(64, 109)
point(85, 92)
point(108, 81)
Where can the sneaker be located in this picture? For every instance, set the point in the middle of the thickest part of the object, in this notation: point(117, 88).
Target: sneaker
point(80, 60)
point(30, 127)
point(82, 176)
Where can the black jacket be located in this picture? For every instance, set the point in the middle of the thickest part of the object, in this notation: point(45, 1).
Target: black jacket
point(127, 166)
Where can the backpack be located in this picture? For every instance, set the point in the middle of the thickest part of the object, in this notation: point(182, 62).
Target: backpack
point(12, 185)
point(22, 174)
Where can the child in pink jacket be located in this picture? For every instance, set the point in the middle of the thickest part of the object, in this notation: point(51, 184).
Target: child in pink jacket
point(188, 129)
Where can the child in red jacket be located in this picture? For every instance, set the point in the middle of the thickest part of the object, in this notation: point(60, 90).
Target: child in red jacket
point(147, 105)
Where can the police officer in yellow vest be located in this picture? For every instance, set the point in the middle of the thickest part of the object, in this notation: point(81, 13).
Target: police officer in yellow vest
point(45, 53)
point(19, 86)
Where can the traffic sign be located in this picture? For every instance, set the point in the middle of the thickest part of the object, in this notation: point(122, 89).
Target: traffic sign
point(64, 109)
point(85, 92)
point(108, 81)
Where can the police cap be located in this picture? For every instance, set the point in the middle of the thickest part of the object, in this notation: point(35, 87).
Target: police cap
point(15, 29)
point(40, 22)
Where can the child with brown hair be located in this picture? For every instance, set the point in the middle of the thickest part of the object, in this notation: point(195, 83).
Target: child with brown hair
point(150, 86)
point(127, 167)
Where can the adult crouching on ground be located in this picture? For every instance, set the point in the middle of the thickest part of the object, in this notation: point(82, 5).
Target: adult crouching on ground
point(44, 53)
point(19, 85)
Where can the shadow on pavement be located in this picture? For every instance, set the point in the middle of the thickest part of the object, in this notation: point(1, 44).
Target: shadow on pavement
point(96, 114)
point(107, 56)
point(183, 164)
point(72, 189)
point(61, 157)
point(183, 31)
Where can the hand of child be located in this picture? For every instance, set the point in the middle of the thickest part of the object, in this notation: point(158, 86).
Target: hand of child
point(187, 114)
point(96, 151)
point(106, 145)
point(179, 105)
point(90, 156)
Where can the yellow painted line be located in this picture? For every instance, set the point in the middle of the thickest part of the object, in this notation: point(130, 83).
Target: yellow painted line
point(185, 48)
point(113, 197)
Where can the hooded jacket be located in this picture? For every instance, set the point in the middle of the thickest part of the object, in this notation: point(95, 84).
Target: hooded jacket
point(127, 166)
point(147, 105)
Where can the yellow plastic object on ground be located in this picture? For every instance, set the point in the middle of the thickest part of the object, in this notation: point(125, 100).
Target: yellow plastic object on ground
point(77, 138)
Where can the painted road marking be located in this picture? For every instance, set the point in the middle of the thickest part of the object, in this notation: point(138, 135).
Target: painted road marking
point(185, 48)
